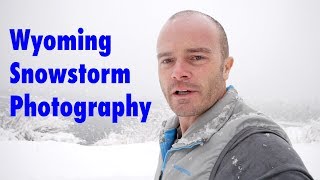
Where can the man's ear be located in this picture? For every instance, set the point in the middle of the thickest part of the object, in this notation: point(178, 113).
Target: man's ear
point(227, 67)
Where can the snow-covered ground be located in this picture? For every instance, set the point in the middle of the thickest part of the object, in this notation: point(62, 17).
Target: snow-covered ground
point(309, 153)
point(65, 161)
point(51, 160)
point(49, 149)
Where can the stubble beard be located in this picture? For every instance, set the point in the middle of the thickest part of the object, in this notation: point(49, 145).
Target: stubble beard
point(187, 108)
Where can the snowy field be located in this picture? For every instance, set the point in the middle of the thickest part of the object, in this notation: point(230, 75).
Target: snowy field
point(57, 149)
point(65, 161)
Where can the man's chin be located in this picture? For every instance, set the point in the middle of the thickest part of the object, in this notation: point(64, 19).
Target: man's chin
point(184, 112)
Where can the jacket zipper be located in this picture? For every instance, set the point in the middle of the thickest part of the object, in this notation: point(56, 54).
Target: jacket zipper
point(177, 149)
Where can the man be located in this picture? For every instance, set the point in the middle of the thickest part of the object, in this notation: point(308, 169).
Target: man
point(214, 134)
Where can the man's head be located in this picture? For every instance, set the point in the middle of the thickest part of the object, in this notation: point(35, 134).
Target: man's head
point(193, 62)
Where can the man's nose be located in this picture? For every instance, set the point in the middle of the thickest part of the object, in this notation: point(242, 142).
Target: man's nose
point(181, 72)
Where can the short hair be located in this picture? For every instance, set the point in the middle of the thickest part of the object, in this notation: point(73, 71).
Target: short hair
point(224, 47)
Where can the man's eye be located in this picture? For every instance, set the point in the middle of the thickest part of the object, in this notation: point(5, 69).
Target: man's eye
point(166, 61)
point(197, 58)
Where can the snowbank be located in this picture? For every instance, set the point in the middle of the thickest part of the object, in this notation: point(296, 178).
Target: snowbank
point(303, 132)
point(309, 153)
point(64, 161)
point(56, 160)
point(36, 129)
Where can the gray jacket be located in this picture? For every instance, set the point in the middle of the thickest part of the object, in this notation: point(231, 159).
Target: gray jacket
point(229, 141)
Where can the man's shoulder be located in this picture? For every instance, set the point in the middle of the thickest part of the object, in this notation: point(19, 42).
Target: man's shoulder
point(264, 155)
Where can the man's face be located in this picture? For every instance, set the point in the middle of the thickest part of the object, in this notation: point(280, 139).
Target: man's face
point(190, 65)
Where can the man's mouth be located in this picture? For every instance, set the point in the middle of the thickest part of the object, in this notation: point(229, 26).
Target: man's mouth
point(182, 92)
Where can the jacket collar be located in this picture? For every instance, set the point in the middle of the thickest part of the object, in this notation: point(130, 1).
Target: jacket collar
point(207, 124)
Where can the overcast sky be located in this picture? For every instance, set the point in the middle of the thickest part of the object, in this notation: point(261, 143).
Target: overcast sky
point(275, 44)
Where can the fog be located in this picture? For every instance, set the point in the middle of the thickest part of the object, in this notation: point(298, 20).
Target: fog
point(275, 45)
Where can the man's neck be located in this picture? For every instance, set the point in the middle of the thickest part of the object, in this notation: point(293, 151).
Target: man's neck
point(186, 122)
